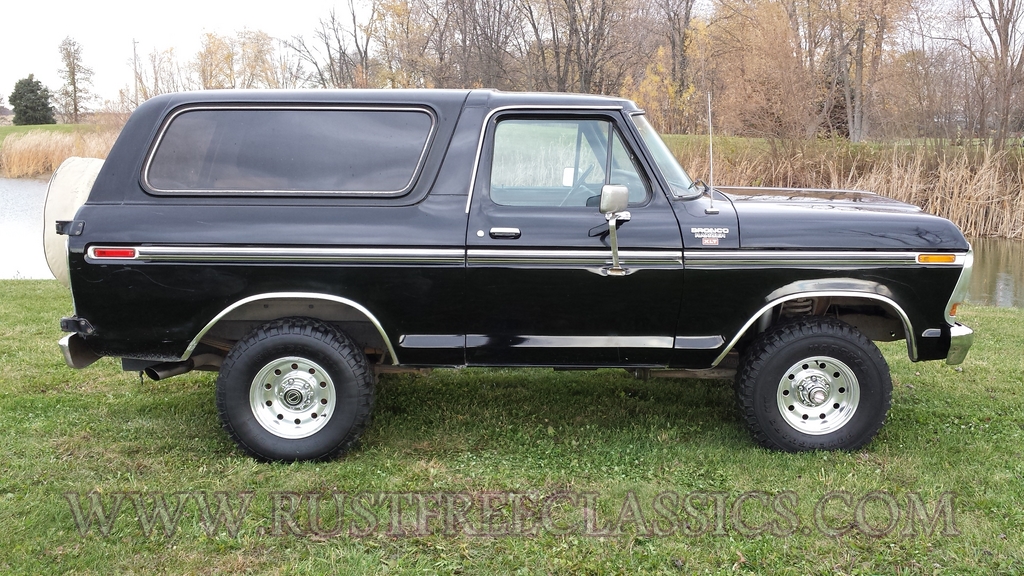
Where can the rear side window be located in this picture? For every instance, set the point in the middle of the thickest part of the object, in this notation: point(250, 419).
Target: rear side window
point(284, 150)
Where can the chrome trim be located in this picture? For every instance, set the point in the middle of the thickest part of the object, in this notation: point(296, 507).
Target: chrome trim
point(698, 342)
point(271, 254)
point(487, 120)
point(791, 189)
point(432, 341)
point(931, 333)
point(960, 340)
point(573, 257)
point(832, 259)
point(505, 233)
point(293, 295)
point(144, 177)
point(962, 285)
point(908, 329)
point(517, 341)
point(76, 354)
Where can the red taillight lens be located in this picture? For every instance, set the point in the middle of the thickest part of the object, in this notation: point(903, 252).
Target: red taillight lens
point(113, 253)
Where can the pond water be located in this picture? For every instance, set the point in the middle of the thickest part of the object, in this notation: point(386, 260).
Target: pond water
point(21, 233)
point(998, 278)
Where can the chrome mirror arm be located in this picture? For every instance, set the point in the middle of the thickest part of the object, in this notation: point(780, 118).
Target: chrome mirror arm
point(613, 224)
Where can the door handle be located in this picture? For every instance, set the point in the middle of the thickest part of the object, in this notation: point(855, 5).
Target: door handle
point(505, 233)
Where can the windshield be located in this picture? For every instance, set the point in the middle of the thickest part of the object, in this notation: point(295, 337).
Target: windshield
point(678, 180)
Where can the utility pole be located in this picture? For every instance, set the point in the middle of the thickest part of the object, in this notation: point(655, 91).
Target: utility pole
point(135, 69)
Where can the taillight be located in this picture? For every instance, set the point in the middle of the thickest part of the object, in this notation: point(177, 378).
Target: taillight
point(128, 253)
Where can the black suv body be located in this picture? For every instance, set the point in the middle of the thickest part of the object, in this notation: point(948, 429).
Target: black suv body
point(301, 242)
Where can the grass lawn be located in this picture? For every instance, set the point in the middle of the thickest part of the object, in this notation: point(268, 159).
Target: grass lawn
point(5, 131)
point(606, 469)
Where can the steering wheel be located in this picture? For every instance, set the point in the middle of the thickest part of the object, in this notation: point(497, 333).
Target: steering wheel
point(580, 185)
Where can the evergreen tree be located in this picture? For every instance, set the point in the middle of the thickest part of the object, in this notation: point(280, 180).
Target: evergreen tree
point(31, 102)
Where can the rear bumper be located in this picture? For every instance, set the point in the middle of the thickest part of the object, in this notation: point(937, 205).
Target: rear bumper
point(960, 339)
point(76, 353)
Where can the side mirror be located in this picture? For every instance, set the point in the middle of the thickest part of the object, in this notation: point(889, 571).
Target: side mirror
point(614, 198)
point(614, 201)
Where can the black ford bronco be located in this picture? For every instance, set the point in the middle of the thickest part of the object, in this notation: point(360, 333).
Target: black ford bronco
point(303, 242)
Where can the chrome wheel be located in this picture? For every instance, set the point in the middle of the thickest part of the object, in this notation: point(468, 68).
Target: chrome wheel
point(813, 383)
point(292, 397)
point(818, 395)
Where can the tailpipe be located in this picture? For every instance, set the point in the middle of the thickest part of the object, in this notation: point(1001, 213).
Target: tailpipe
point(168, 369)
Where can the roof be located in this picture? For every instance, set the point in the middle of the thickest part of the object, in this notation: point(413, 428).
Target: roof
point(493, 98)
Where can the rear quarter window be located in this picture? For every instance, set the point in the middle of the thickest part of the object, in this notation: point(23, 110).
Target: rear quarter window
point(289, 151)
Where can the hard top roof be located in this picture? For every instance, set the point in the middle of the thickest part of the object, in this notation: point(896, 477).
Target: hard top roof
point(487, 97)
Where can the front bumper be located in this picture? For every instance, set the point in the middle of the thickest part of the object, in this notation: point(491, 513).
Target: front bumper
point(76, 353)
point(960, 339)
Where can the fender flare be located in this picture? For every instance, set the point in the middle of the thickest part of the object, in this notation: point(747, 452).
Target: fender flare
point(293, 295)
point(841, 287)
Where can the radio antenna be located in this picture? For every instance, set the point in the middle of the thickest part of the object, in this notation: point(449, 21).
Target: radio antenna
point(711, 164)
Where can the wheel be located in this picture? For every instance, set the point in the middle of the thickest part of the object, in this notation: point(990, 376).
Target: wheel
point(295, 389)
point(813, 384)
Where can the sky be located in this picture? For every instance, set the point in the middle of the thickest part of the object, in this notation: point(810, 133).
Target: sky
point(31, 32)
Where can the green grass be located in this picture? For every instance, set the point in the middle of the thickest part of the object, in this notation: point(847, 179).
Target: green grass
point(6, 131)
point(501, 431)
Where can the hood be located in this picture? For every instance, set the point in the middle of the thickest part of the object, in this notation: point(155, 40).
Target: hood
point(837, 219)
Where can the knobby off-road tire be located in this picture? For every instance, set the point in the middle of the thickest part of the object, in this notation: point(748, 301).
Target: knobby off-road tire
point(295, 389)
point(813, 384)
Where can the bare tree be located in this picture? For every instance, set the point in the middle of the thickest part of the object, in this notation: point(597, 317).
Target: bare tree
point(73, 96)
point(993, 36)
point(215, 62)
point(164, 75)
point(255, 64)
point(676, 16)
point(339, 54)
point(552, 44)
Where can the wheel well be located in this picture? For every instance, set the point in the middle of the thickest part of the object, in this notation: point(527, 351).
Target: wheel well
point(878, 320)
point(239, 319)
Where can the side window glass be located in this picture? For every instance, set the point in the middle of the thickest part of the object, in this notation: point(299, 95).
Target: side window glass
point(251, 150)
point(560, 162)
point(624, 171)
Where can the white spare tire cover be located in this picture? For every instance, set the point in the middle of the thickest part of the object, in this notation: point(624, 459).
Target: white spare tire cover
point(69, 188)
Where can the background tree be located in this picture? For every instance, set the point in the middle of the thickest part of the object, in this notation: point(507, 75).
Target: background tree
point(992, 34)
point(338, 54)
point(75, 93)
point(31, 102)
point(215, 62)
point(780, 69)
point(163, 74)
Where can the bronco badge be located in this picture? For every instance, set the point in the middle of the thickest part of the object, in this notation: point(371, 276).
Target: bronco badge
point(709, 236)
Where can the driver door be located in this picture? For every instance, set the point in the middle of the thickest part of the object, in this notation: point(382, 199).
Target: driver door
point(538, 253)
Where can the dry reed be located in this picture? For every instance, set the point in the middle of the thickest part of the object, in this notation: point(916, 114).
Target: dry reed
point(979, 189)
point(39, 152)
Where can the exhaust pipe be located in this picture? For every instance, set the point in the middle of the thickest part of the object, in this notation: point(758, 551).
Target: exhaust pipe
point(168, 369)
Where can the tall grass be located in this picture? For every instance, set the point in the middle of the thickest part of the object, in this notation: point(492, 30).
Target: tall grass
point(39, 153)
point(979, 189)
